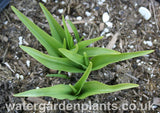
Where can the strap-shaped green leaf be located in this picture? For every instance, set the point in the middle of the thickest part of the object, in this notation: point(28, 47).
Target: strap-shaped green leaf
point(85, 43)
point(57, 75)
point(95, 87)
point(56, 63)
point(73, 89)
point(46, 40)
point(103, 60)
point(64, 43)
point(73, 56)
point(74, 30)
point(56, 30)
point(58, 91)
point(75, 49)
point(95, 51)
point(83, 79)
point(69, 38)
point(86, 59)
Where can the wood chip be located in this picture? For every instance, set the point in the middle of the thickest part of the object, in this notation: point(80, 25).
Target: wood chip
point(113, 41)
point(101, 26)
point(156, 101)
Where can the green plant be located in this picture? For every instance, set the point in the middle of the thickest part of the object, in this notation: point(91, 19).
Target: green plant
point(80, 90)
point(66, 55)
point(63, 53)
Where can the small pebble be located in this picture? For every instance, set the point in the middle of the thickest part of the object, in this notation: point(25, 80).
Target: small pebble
point(105, 17)
point(145, 13)
point(154, 106)
point(114, 46)
point(60, 11)
point(6, 22)
point(28, 63)
point(120, 23)
point(88, 13)
point(135, 4)
point(128, 36)
point(131, 46)
point(16, 57)
point(69, 74)
point(150, 38)
point(149, 43)
point(92, 18)
point(125, 7)
point(152, 75)
point(91, 45)
point(109, 34)
point(79, 18)
point(139, 64)
point(134, 31)
point(45, 1)
point(21, 77)
point(105, 74)
point(75, 41)
point(5, 38)
point(100, 2)
point(138, 60)
point(86, 24)
point(106, 30)
point(102, 33)
point(20, 40)
point(17, 75)
point(66, 17)
point(146, 55)
point(109, 24)
point(62, 2)
point(84, 34)
point(148, 69)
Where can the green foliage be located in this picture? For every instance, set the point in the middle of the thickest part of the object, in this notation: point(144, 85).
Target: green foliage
point(73, 57)
point(57, 75)
point(65, 54)
point(52, 62)
point(80, 90)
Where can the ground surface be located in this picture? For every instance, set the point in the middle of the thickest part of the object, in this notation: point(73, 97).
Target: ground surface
point(135, 34)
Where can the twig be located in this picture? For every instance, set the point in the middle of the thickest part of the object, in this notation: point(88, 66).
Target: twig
point(4, 55)
point(132, 76)
point(155, 18)
point(9, 67)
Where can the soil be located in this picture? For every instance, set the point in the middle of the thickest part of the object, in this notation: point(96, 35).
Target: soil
point(134, 31)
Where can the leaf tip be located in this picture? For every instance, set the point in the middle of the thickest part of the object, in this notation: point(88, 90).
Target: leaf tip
point(134, 85)
point(151, 51)
point(40, 4)
point(16, 95)
point(90, 63)
point(21, 46)
point(13, 8)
